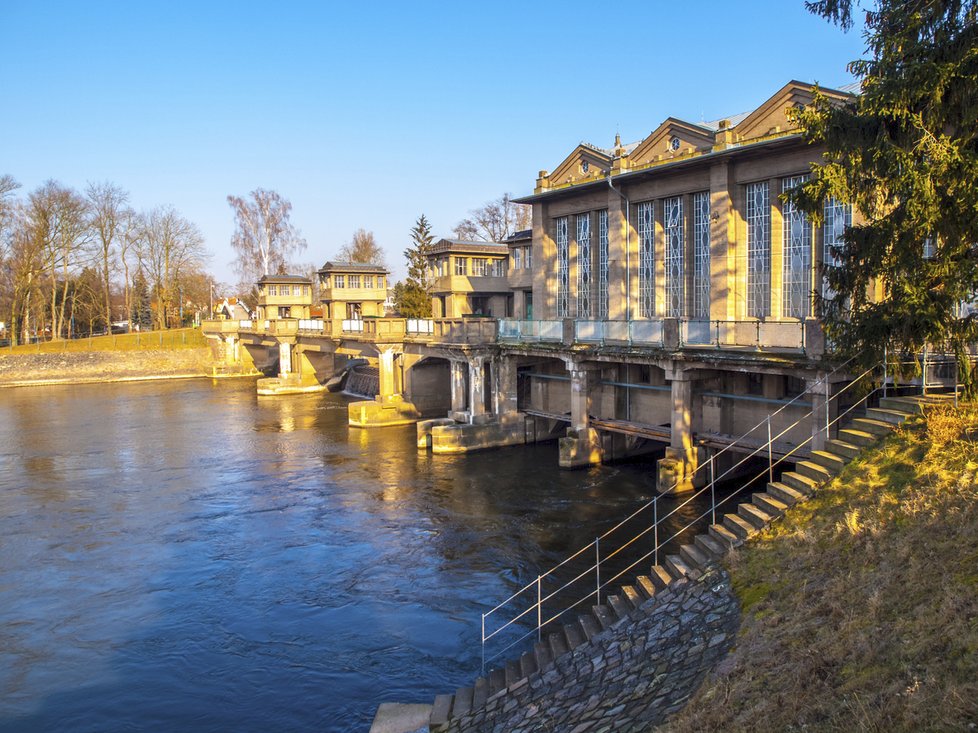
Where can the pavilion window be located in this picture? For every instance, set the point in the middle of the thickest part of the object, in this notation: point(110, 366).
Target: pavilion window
point(354, 281)
point(603, 264)
point(584, 266)
point(563, 267)
point(646, 259)
point(479, 267)
point(701, 255)
point(758, 250)
point(796, 279)
point(273, 290)
point(672, 219)
point(461, 266)
point(338, 281)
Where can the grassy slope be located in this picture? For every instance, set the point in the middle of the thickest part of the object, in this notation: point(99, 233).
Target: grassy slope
point(177, 338)
point(861, 606)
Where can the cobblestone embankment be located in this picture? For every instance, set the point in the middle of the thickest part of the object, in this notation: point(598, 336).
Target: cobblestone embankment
point(630, 677)
point(18, 370)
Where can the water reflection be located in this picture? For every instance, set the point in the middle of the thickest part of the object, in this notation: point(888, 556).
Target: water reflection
point(188, 556)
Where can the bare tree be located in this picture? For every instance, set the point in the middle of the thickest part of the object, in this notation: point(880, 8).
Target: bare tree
point(495, 220)
point(132, 231)
point(58, 219)
point(264, 238)
point(362, 249)
point(24, 270)
point(107, 204)
point(170, 245)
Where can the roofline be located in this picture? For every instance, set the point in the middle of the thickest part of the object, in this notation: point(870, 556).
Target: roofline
point(673, 164)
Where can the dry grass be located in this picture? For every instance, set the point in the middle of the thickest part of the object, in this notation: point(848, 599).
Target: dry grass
point(861, 606)
point(179, 338)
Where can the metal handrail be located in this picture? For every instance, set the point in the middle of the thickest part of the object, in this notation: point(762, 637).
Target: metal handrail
point(595, 591)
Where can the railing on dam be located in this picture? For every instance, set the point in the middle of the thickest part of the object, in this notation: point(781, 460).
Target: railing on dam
point(671, 333)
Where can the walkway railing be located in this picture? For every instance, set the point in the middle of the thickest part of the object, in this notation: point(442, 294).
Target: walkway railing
point(549, 597)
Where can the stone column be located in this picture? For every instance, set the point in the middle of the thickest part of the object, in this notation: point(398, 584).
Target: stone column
point(581, 446)
point(387, 380)
point(677, 471)
point(506, 386)
point(580, 397)
point(477, 388)
point(458, 385)
point(819, 390)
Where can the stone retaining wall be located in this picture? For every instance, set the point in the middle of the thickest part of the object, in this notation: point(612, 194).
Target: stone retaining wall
point(628, 678)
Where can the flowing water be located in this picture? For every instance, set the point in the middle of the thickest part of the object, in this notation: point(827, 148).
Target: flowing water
point(188, 556)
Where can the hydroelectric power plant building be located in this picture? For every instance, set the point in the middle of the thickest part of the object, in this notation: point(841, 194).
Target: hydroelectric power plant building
point(664, 299)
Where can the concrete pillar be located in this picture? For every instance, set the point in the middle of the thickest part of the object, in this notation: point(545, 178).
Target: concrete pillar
point(387, 379)
point(580, 398)
point(677, 471)
point(284, 359)
point(477, 388)
point(458, 385)
point(231, 347)
point(819, 389)
point(506, 386)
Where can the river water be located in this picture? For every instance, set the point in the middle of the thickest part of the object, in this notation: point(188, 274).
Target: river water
point(188, 556)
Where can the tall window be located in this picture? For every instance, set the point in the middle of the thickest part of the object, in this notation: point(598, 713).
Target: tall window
point(584, 266)
point(461, 266)
point(603, 263)
point(563, 269)
point(701, 255)
point(517, 255)
point(479, 267)
point(758, 250)
point(354, 281)
point(672, 220)
point(646, 260)
point(796, 281)
point(273, 289)
point(368, 281)
point(528, 257)
point(836, 219)
point(338, 281)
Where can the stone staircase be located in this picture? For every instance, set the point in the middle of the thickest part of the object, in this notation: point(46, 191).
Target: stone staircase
point(691, 560)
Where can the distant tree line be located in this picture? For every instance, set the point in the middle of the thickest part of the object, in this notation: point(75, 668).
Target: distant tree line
point(74, 263)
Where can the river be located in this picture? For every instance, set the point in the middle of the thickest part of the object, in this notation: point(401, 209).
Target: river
point(188, 556)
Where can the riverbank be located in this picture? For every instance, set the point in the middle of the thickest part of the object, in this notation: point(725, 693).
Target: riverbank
point(861, 605)
point(25, 370)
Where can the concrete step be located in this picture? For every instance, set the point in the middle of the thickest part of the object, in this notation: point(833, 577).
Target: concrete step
point(829, 460)
point(784, 493)
point(645, 585)
point(660, 577)
point(558, 644)
point(544, 657)
point(497, 680)
point(677, 567)
point(757, 518)
point(903, 404)
point(694, 556)
point(619, 606)
point(868, 425)
point(440, 711)
point(842, 448)
point(798, 482)
point(462, 704)
point(480, 693)
point(814, 471)
point(574, 635)
point(710, 546)
point(631, 594)
point(858, 437)
point(738, 526)
point(512, 672)
point(589, 625)
point(528, 665)
point(724, 536)
point(887, 414)
point(603, 616)
point(769, 504)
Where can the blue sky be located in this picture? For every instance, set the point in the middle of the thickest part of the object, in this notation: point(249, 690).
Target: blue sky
point(368, 114)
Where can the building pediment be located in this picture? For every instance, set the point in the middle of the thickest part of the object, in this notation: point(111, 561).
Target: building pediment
point(772, 116)
point(672, 139)
point(585, 163)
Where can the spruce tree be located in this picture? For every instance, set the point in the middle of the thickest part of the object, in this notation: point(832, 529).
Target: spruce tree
point(414, 299)
point(904, 152)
